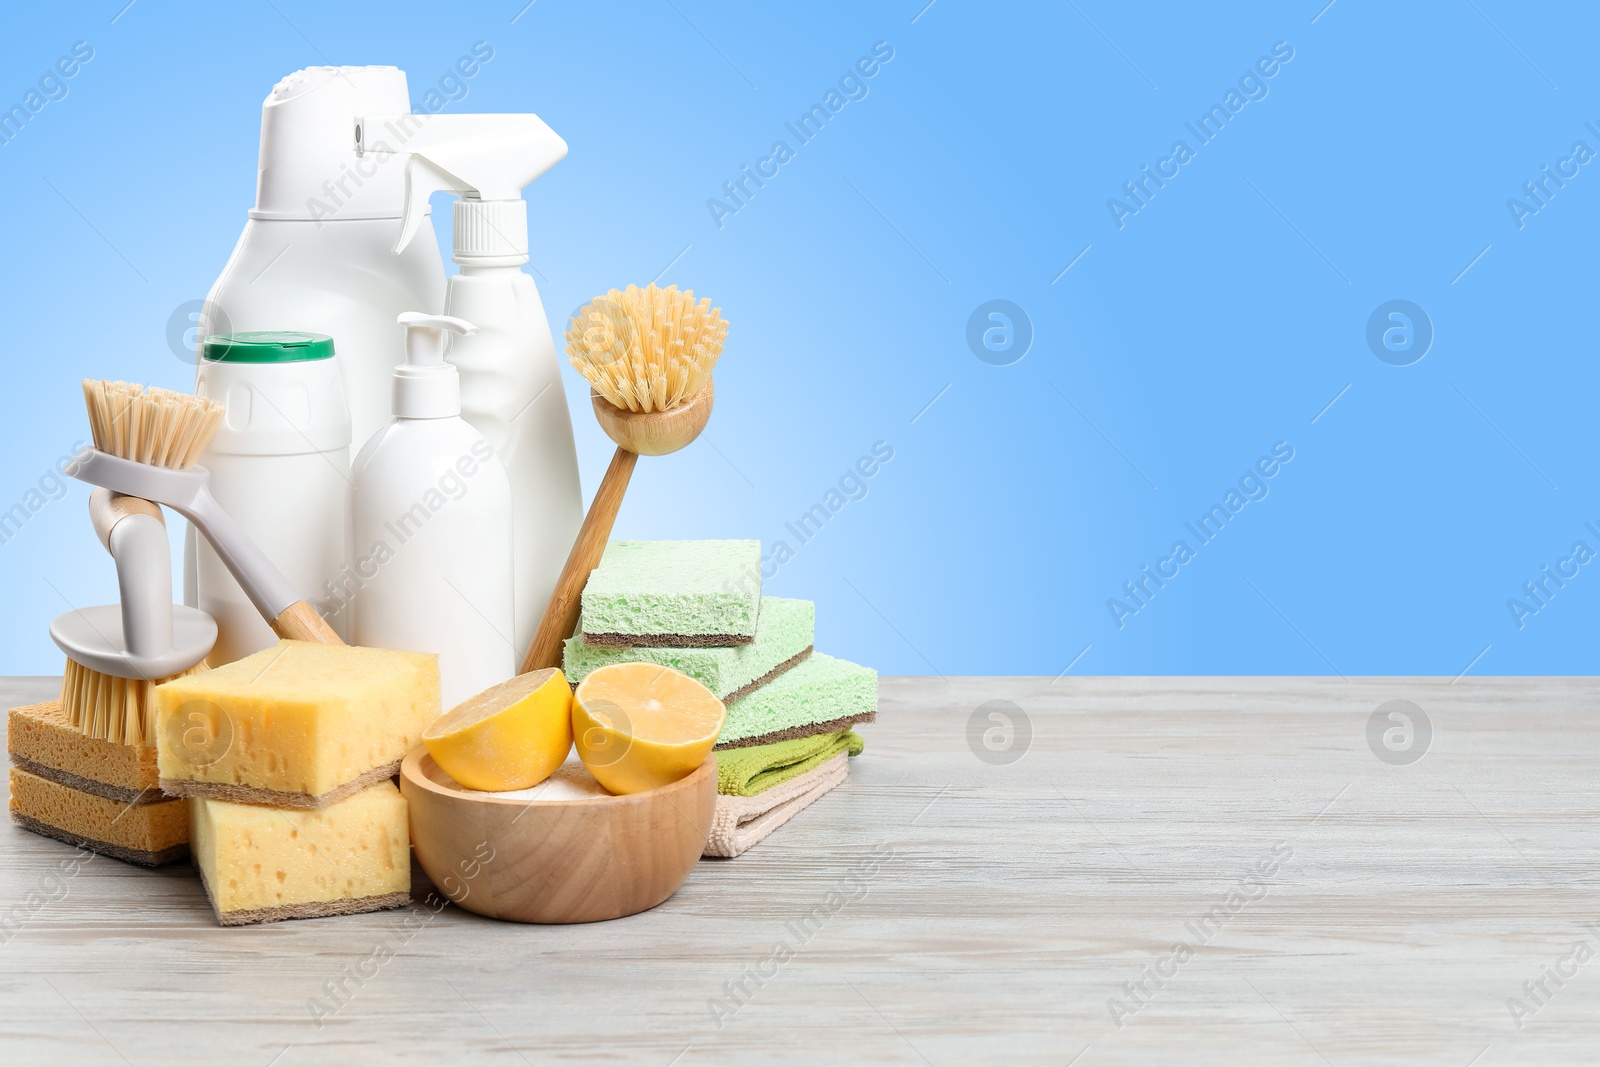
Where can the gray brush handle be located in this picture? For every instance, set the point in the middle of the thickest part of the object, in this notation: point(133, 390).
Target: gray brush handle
point(257, 575)
point(133, 531)
point(144, 635)
point(188, 493)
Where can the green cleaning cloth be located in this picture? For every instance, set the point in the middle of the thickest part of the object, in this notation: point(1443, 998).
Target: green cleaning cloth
point(744, 772)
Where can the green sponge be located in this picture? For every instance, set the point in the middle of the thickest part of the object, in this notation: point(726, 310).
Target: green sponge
point(782, 640)
point(821, 695)
point(680, 593)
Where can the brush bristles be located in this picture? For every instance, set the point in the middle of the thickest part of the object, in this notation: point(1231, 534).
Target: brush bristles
point(154, 426)
point(119, 710)
point(646, 349)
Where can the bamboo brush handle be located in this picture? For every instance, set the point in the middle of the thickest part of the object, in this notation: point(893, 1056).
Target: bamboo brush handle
point(561, 617)
point(300, 622)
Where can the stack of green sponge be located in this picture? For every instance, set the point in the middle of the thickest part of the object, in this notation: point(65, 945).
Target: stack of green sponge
point(696, 606)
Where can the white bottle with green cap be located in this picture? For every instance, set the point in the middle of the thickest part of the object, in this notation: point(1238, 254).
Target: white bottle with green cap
point(278, 467)
point(430, 548)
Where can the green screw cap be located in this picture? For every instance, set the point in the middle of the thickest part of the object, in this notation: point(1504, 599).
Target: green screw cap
point(267, 346)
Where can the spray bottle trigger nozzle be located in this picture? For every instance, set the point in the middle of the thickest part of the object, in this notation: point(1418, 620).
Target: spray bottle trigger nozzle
point(476, 157)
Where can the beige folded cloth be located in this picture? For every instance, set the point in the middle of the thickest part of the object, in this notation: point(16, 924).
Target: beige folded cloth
point(739, 822)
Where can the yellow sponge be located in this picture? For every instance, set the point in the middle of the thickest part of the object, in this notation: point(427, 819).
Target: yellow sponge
point(43, 741)
point(96, 794)
point(265, 864)
point(300, 725)
point(149, 834)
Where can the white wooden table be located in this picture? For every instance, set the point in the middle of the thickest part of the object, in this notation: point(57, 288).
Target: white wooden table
point(1013, 901)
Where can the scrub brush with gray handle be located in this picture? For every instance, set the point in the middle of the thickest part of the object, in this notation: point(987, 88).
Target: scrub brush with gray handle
point(146, 445)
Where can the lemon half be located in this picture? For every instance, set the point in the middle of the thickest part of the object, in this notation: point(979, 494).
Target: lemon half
point(641, 726)
point(509, 737)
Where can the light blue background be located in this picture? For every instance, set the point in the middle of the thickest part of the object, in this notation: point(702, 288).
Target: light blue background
point(1224, 317)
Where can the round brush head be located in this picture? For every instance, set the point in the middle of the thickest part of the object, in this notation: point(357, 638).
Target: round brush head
point(646, 350)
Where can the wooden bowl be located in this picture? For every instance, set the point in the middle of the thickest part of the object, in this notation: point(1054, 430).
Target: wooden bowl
point(556, 861)
point(655, 433)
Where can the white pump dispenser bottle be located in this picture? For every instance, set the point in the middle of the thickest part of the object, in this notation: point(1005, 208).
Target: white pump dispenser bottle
point(511, 387)
point(431, 558)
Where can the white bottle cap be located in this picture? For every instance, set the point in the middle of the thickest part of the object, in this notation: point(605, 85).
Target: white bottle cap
point(309, 167)
point(492, 232)
point(425, 386)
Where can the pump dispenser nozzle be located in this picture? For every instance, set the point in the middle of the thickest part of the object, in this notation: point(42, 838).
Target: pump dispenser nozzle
point(425, 386)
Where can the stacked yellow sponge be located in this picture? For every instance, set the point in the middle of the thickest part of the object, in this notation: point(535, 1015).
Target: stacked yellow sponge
point(261, 864)
point(286, 757)
point(88, 792)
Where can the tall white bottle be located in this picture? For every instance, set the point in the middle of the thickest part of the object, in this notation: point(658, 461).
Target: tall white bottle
point(315, 254)
point(511, 387)
point(430, 503)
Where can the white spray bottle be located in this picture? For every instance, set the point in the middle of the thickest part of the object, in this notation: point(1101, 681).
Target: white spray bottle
point(431, 560)
point(511, 387)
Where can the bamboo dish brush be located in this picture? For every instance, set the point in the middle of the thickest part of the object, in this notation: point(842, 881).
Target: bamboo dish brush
point(117, 653)
point(648, 353)
point(146, 445)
